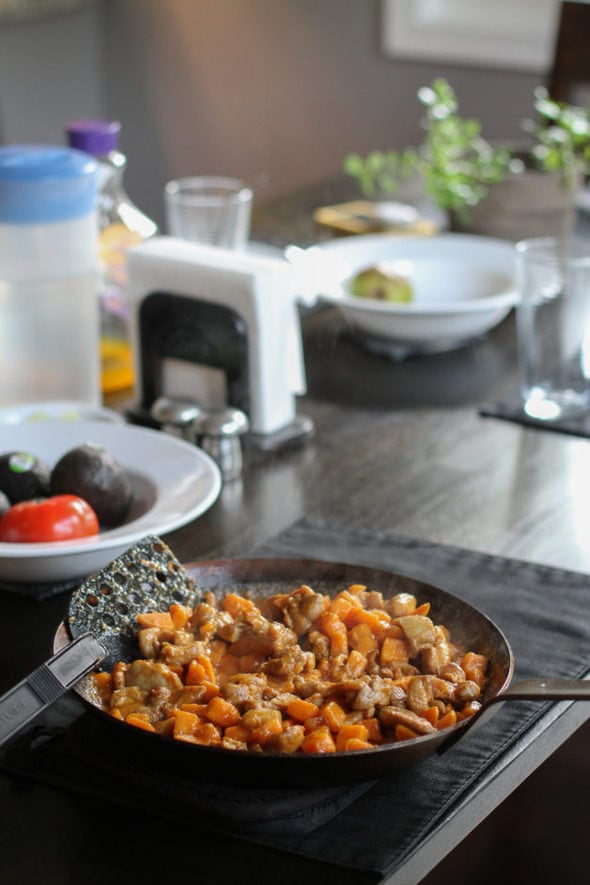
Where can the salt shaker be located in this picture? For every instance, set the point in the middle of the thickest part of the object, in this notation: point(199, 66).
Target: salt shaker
point(49, 334)
point(218, 434)
point(176, 416)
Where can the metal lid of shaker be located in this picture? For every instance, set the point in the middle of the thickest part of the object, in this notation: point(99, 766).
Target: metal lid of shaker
point(42, 183)
point(96, 137)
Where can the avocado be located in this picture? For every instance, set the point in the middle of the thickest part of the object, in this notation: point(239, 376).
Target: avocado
point(382, 284)
point(93, 473)
point(23, 476)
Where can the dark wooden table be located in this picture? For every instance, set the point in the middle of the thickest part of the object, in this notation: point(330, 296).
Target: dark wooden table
point(398, 447)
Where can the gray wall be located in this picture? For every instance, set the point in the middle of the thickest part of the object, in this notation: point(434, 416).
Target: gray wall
point(273, 91)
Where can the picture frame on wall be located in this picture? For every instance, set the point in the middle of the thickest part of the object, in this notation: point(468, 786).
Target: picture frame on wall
point(508, 34)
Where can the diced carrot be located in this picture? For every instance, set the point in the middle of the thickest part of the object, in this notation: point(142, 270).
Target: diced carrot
point(347, 732)
point(431, 714)
point(302, 710)
point(205, 662)
point(336, 631)
point(236, 605)
point(318, 741)
point(376, 619)
point(394, 631)
point(356, 664)
point(361, 637)
point(421, 609)
point(266, 731)
point(447, 720)
point(165, 727)
point(253, 719)
point(116, 713)
point(474, 666)
point(207, 734)
point(180, 615)
point(195, 674)
point(393, 651)
point(237, 733)
point(373, 727)
point(342, 604)
point(103, 679)
point(185, 722)
point(357, 589)
point(334, 715)
point(357, 744)
point(163, 620)
point(402, 682)
point(470, 709)
point(222, 712)
point(139, 720)
point(197, 709)
point(403, 733)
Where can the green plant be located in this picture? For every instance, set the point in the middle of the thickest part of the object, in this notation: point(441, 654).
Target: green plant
point(458, 165)
point(562, 135)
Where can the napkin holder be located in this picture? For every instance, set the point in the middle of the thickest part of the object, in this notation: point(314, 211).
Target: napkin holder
point(219, 327)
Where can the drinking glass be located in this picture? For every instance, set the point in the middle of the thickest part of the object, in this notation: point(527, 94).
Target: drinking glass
point(553, 326)
point(209, 209)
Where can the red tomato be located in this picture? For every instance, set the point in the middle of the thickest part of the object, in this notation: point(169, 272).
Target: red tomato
point(59, 518)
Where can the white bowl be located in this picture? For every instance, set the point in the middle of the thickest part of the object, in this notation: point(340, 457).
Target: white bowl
point(173, 483)
point(463, 285)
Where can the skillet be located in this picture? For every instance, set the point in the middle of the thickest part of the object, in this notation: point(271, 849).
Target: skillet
point(100, 626)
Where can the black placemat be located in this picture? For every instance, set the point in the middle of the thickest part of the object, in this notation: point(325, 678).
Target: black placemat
point(510, 409)
point(545, 614)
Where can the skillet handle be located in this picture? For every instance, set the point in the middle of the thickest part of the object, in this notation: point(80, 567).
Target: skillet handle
point(47, 683)
point(546, 690)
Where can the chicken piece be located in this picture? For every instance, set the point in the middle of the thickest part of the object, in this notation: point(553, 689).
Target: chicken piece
point(293, 660)
point(438, 655)
point(258, 635)
point(208, 621)
point(245, 689)
point(452, 672)
point(419, 632)
point(401, 604)
point(423, 690)
point(152, 674)
point(374, 692)
point(397, 716)
point(301, 608)
point(288, 741)
point(466, 691)
point(129, 700)
point(149, 642)
point(181, 655)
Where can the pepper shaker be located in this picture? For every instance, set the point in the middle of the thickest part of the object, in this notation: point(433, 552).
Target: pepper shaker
point(176, 416)
point(218, 433)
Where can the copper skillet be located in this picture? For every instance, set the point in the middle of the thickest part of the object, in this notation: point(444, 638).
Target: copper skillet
point(111, 618)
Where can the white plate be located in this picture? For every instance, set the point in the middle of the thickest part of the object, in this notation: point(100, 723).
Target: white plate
point(173, 483)
point(463, 285)
point(58, 410)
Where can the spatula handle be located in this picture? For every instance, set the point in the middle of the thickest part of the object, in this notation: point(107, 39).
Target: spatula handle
point(47, 683)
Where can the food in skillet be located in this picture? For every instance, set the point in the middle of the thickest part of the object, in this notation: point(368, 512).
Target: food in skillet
point(295, 672)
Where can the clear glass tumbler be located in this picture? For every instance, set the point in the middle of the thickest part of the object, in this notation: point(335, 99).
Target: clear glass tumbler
point(211, 210)
point(553, 326)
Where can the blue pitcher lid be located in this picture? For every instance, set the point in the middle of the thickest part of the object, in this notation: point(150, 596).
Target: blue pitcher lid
point(42, 183)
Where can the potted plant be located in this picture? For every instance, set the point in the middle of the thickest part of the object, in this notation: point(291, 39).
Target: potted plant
point(483, 188)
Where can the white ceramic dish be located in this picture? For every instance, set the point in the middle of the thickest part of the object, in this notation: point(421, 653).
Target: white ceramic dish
point(173, 483)
point(463, 285)
point(58, 410)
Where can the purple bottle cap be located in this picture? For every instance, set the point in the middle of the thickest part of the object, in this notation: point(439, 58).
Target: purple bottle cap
point(96, 137)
